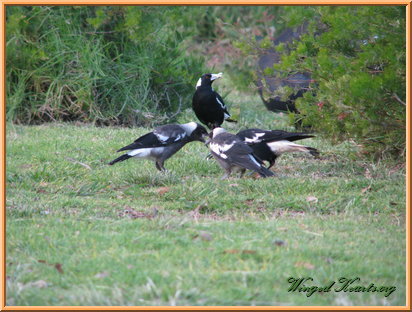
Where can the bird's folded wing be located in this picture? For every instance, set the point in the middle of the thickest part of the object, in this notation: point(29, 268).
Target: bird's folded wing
point(161, 136)
point(254, 136)
point(221, 102)
point(233, 152)
point(170, 134)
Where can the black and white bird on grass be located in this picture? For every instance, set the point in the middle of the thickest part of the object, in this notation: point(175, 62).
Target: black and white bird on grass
point(270, 144)
point(232, 153)
point(207, 104)
point(163, 142)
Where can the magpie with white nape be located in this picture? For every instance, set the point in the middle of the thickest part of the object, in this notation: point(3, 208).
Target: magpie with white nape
point(270, 144)
point(163, 142)
point(207, 104)
point(231, 152)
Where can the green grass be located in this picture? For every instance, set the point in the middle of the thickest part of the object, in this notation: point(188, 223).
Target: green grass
point(213, 242)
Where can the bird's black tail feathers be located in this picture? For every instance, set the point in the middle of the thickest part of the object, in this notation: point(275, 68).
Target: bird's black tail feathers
point(313, 151)
point(264, 172)
point(128, 147)
point(121, 158)
point(298, 136)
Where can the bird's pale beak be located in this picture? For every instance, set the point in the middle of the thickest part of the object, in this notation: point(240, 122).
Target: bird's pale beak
point(216, 76)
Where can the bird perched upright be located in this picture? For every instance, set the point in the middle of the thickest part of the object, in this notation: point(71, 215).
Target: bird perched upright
point(207, 104)
point(163, 142)
point(231, 152)
point(270, 144)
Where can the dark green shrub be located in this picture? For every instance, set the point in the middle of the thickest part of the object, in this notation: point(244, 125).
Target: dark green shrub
point(109, 65)
point(356, 55)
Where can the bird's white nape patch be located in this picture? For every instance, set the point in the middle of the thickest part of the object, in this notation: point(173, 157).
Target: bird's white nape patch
point(199, 83)
point(216, 76)
point(217, 131)
point(189, 127)
point(255, 139)
point(284, 146)
point(221, 149)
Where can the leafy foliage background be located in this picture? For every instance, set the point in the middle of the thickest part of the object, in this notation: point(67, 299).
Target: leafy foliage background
point(110, 65)
point(356, 57)
point(137, 65)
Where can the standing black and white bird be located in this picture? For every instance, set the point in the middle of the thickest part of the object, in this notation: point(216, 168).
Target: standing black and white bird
point(231, 152)
point(270, 144)
point(207, 104)
point(163, 142)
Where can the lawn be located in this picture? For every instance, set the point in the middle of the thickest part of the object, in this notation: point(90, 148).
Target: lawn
point(80, 232)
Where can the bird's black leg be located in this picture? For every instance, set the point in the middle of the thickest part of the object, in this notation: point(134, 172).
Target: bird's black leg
point(161, 164)
point(271, 163)
point(242, 172)
point(227, 174)
point(158, 166)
